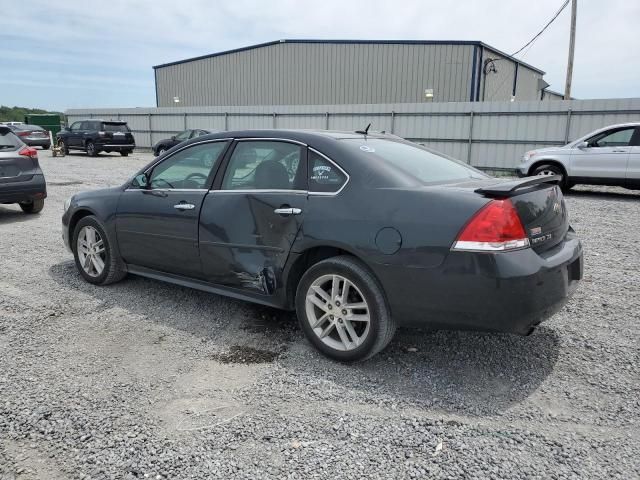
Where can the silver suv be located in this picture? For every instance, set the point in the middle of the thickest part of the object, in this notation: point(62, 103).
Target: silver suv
point(608, 156)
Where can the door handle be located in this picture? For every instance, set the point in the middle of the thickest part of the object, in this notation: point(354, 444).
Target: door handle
point(184, 206)
point(288, 211)
point(620, 150)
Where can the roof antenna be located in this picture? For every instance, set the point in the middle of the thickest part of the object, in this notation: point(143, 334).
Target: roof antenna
point(365, 131)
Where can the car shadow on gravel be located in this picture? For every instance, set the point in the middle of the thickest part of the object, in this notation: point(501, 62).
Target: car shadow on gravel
point(198, 313)
point(472, 372)
point(622, 194)
point(8, 215)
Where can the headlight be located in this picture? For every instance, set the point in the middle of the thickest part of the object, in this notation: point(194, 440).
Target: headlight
point(67, 203)
point(528, 155)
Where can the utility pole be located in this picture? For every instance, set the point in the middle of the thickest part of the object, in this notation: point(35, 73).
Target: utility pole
point(572, 44)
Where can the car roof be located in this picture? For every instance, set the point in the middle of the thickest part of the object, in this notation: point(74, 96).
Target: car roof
point(299, 135)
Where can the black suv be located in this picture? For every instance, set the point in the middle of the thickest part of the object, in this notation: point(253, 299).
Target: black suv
point(95, 136)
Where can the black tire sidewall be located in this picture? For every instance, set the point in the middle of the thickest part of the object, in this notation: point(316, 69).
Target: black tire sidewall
point(93, 222)
point(91, 149)
point(371, 297)
point(555, 169)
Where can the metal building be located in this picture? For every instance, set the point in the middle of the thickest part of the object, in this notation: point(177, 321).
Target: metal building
point(315, 72)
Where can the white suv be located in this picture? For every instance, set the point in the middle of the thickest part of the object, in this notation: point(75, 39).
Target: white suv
point(608, 156)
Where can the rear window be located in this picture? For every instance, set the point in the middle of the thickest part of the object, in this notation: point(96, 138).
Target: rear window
point(115, 127)
point(8, 140)
point(29, 127)
point(423, 164)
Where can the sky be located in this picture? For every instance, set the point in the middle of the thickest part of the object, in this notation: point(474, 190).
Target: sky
point(68, 54)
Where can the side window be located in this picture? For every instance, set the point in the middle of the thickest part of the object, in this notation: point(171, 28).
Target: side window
point(188, 168)
point(76, 126)
point(619, 138)
point(263, 165)
point(324, 176)
point(183, 135)
point(85, 126)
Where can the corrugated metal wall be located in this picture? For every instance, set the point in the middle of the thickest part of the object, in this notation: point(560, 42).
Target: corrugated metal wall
point(486, 134)
point(497, 84)
point(320, 73)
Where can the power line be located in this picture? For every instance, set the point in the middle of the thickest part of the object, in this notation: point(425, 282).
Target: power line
point(544, 28)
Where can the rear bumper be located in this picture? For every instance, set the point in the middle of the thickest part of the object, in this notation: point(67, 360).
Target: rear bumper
point(37, 142)
point(503, 292)
point(116, 147)
point(27, 191)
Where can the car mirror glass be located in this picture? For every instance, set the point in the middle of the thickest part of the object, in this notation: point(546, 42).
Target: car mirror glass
point(141, 181)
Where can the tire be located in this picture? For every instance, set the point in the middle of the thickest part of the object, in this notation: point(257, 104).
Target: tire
point(92, 151)
point(124, 153)
point(372, 335)
point(161, 150)
point(46, 147)
point(65, 148)
point(113, 267)
point(550, 169)
point(35, 206)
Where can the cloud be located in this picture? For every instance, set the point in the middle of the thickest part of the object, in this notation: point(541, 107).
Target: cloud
point(117, 42)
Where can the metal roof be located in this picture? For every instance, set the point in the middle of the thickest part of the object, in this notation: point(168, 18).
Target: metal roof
point(356, 42)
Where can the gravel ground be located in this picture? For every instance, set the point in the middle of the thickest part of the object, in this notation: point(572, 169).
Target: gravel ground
point(147, 380)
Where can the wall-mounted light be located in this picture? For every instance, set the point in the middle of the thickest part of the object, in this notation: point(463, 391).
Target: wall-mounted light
point(428, 93)
point(176, 99)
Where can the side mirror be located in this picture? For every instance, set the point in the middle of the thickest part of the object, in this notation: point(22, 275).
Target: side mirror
point(67, 129)
point(173, 137)
point(582, 145)
point(141, 181)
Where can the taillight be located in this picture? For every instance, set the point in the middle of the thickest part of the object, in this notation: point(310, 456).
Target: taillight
point(494, 228)
point(29, 152)
point(23, 133)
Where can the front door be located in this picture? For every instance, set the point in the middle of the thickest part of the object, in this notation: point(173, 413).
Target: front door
point(157, 218)
point(605, 156)
point(74, 135)
point(249, 224)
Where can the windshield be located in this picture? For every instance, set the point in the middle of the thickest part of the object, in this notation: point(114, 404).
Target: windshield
point(423, 164)
point(115, 127)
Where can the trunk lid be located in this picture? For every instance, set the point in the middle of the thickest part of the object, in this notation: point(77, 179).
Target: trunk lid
point(540, 206)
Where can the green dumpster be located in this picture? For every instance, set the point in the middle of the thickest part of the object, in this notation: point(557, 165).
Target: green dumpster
point(48, 121)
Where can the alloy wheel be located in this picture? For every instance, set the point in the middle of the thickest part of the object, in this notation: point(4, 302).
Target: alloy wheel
point(337, 312)
point(91, 252)
point(546, 172)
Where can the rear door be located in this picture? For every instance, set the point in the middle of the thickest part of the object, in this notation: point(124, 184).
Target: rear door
point(605, 158)
point(250, 221)
point(633, 164)
point(13, 167)
point(157, 224)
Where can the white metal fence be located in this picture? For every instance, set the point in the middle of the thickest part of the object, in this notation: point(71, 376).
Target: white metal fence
point(491, 135)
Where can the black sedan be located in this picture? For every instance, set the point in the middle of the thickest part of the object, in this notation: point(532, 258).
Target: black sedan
point(358, 233)
point(167, 143)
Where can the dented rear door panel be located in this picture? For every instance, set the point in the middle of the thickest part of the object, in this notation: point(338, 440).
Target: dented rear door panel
point(244, 243)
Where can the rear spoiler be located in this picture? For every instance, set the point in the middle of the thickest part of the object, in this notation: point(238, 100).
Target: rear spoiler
point(508, 189)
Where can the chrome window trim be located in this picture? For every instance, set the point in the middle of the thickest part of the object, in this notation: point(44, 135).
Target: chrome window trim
point(258, 190)
point(166, 190)
point(271, 139)
point(329, 194)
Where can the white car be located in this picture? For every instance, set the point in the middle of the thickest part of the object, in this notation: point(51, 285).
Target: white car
point(608, 156)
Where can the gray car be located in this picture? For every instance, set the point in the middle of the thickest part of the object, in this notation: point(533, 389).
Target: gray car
point(21, 180)
point(608, 156)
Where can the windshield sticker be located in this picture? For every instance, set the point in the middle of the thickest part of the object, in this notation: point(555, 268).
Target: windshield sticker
point(367, 148)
